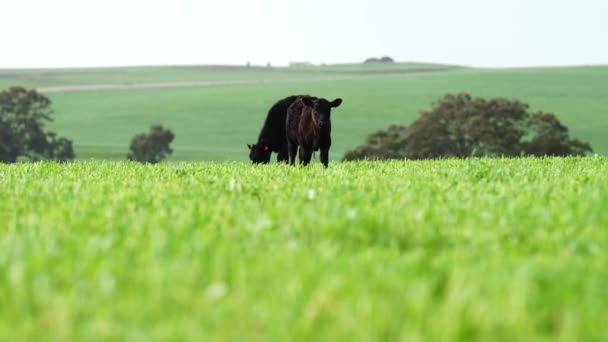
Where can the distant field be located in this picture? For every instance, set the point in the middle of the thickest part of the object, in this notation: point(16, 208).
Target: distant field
point(452, 250)
point(215, 122)
point(134, 75)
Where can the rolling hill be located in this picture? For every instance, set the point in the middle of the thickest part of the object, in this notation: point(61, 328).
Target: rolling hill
point(215, 110)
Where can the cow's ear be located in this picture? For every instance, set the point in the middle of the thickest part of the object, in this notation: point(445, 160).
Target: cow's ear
point(336, 103)
point(308, 101)
point(249, 146)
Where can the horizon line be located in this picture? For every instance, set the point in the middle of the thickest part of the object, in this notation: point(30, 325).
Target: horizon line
point(280, 66)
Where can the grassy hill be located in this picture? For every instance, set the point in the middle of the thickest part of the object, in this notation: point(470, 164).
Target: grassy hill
point(215, 121)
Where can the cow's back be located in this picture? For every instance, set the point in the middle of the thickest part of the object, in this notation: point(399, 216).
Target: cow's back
point(273, 131)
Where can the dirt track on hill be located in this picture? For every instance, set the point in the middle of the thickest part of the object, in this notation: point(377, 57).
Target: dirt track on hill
point(192, 84)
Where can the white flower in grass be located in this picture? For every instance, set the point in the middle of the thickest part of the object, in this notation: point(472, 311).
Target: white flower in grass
point(351, 213)
point(216, 291)
point(311, 194)
point(232, 184)
point(107, 283)
point(292, 244)
point(262, 223)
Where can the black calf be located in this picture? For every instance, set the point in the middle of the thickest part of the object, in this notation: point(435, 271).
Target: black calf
point(308, 126)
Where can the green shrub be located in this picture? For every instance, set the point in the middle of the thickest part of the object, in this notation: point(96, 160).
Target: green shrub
point(462, 126)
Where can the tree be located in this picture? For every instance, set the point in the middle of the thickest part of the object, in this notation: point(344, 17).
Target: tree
point(23, 115)
point(381, 145)
point(462, 126)
point(383, 59)
point(59, 148)
point(551, 138)
point(386, 59)
point(152, 147)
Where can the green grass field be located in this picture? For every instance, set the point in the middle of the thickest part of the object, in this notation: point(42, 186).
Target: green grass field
point(216, 122)
point(480, 249)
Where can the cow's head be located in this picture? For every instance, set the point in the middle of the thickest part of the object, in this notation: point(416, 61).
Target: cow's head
point(322, 109)
point(259, 153)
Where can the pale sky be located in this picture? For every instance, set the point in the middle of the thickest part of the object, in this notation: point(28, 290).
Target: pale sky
point(487, 33)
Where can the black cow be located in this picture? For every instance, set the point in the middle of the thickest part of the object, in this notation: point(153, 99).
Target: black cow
point(272, 136)
point(308, 126)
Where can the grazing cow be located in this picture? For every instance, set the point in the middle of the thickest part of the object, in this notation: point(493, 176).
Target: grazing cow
point(272, 136)
point(308, 126)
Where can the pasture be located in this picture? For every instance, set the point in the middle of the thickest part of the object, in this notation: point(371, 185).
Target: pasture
point(488, 249)
point(209, 247)
point(215, 121)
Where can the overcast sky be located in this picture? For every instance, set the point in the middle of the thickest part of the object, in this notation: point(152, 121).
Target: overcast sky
point(497, 33)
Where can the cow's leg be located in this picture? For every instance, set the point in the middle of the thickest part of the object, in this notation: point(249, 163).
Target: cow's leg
point(292, 149)
point(324, 156)
point(305, 155)
point(283, 155)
